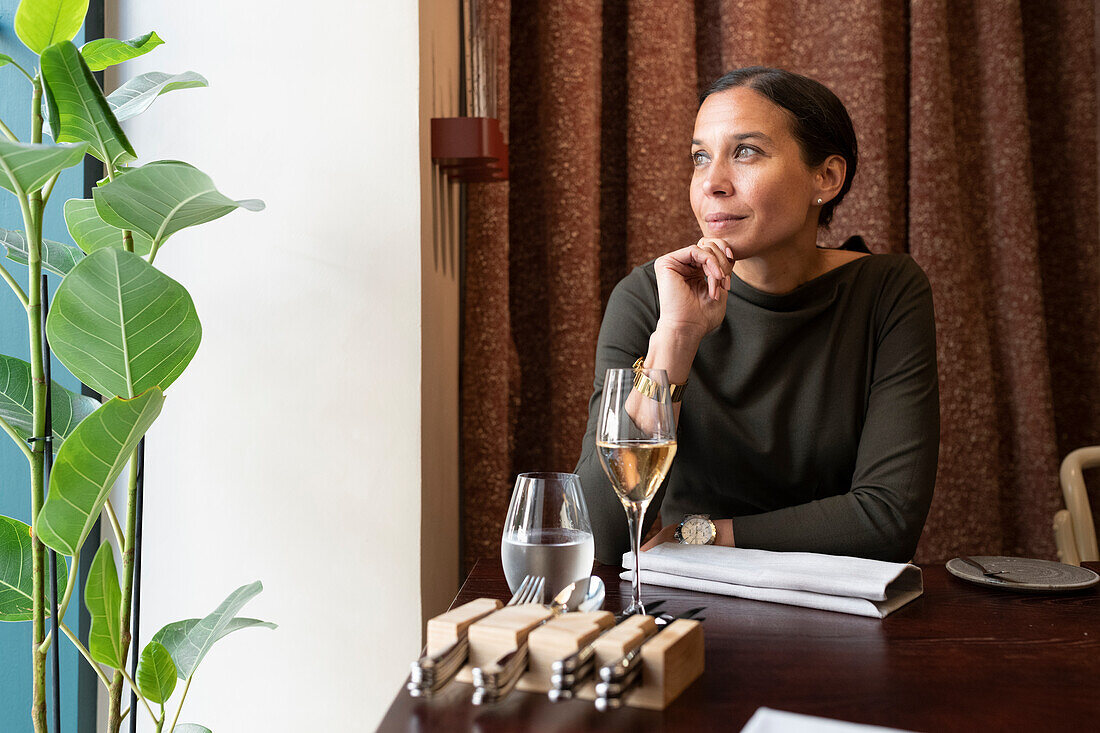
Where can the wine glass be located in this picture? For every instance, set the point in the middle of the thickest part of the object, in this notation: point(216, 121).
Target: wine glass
point(636, 442)
point(547, 533)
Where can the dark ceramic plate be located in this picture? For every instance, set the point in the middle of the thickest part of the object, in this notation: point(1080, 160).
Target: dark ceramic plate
point(1024, 574)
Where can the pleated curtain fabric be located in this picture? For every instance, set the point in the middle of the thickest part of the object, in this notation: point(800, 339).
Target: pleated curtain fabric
point(977, 125)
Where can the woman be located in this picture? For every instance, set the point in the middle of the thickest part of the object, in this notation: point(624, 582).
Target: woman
point(810, 415)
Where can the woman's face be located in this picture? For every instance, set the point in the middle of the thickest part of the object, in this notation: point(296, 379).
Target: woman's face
point(751, 186)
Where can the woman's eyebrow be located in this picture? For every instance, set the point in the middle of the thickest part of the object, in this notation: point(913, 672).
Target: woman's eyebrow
point(741, 136)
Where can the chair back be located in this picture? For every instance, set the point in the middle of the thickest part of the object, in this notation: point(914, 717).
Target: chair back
point(1074, 529)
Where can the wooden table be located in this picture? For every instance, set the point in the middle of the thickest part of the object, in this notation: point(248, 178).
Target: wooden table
point(960, 658)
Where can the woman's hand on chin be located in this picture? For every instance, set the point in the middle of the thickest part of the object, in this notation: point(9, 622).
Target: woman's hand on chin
point(693, 285)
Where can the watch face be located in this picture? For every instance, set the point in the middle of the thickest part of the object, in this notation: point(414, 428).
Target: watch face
point(696, 531)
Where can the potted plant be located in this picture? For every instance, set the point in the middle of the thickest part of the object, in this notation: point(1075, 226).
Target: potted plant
point(122, 327)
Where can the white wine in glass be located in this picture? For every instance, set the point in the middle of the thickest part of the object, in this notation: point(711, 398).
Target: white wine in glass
point(636, 441)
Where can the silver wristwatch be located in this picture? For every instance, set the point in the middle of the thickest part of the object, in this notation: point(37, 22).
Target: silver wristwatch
point(696, 529)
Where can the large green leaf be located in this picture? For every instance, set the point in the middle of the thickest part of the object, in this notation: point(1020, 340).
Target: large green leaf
point(174, 635)
point(27, 166)
point(16, 565)
point(135, 96)
point(103, 598)
point(163, 197)
point(188, 641)
point(78, 109)
point(104, 52)
point(156, 673)
point(87, 466)
point(121, 326)
point(191, 728)
point(42, 23)
point(92, 233)
point(67, 409)
point(56, 256)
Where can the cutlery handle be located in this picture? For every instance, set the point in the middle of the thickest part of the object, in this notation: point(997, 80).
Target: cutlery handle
point(441, 657)
point(974, 564)
point(431, 672)
point(505, 659)
point(491, 685)
point(618, 670)
point(610, 694)
point(576, 660)
point(568, 680)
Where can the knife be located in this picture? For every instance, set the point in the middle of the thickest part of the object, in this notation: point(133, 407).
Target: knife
point(569, 671)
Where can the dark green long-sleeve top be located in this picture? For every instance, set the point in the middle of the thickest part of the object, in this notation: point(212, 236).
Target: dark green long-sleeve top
point(811, 418)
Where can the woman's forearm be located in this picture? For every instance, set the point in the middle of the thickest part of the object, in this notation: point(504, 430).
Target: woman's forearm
point(673, 349)
point(724, 536)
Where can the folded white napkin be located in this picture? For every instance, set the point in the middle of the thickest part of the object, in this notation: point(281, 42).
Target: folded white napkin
point(766, 720)
point(828, 582)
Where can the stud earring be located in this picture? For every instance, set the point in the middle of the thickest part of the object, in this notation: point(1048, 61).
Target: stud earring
point(819, 202)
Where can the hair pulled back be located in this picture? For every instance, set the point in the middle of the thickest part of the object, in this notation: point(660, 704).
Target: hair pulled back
point(819, 121)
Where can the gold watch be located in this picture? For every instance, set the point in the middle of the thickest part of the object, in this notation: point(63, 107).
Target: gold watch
point(652, 389)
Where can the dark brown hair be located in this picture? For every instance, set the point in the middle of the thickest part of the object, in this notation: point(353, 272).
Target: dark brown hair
point(819, 121)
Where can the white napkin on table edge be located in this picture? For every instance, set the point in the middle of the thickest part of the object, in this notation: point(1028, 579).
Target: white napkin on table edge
point(766, 720)
point(827, 582)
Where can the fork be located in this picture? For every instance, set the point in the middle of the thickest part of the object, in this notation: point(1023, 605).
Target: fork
point(995, 574)
point(431, 672)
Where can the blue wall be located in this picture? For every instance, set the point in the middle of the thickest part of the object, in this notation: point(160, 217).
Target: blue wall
point(78, 681)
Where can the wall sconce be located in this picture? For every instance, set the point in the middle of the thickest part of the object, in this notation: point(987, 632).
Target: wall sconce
point(470, 149)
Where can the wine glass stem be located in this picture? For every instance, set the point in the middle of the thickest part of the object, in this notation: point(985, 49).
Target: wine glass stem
point(634, 519)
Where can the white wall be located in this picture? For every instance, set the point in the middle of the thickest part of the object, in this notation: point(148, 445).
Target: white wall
point(290, 449)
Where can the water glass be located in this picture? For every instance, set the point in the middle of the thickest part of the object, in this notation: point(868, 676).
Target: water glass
point(548, 533)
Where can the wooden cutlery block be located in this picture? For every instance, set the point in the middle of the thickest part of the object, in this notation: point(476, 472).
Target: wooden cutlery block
point(498, 633)
point(671, 660)
point(558, 639)
point(445, 629)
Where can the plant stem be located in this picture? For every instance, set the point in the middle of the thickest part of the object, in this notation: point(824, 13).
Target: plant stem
point(134, 687)
point(87, 656)
point(18, 440)
point(33, 228)
point(114, 702)
point(8, 133)
point(15, 286)
point(114, 523)
point(182, 699)
point(16, 65)
point(64, 600)
point(127, 235)
point(127, 572)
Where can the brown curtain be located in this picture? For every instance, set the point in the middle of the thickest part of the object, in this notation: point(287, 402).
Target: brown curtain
point(977, 125)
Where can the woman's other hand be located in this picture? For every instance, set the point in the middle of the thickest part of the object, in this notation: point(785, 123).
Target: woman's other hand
point(667, 534)
point(723, 538)
point(693, 285)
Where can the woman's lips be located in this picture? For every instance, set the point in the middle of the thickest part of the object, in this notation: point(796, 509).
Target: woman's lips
point(721, 222)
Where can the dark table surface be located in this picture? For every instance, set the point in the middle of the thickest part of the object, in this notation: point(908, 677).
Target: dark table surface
point(961, 657)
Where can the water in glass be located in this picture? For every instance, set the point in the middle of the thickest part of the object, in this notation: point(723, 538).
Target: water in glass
point(547, 532)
